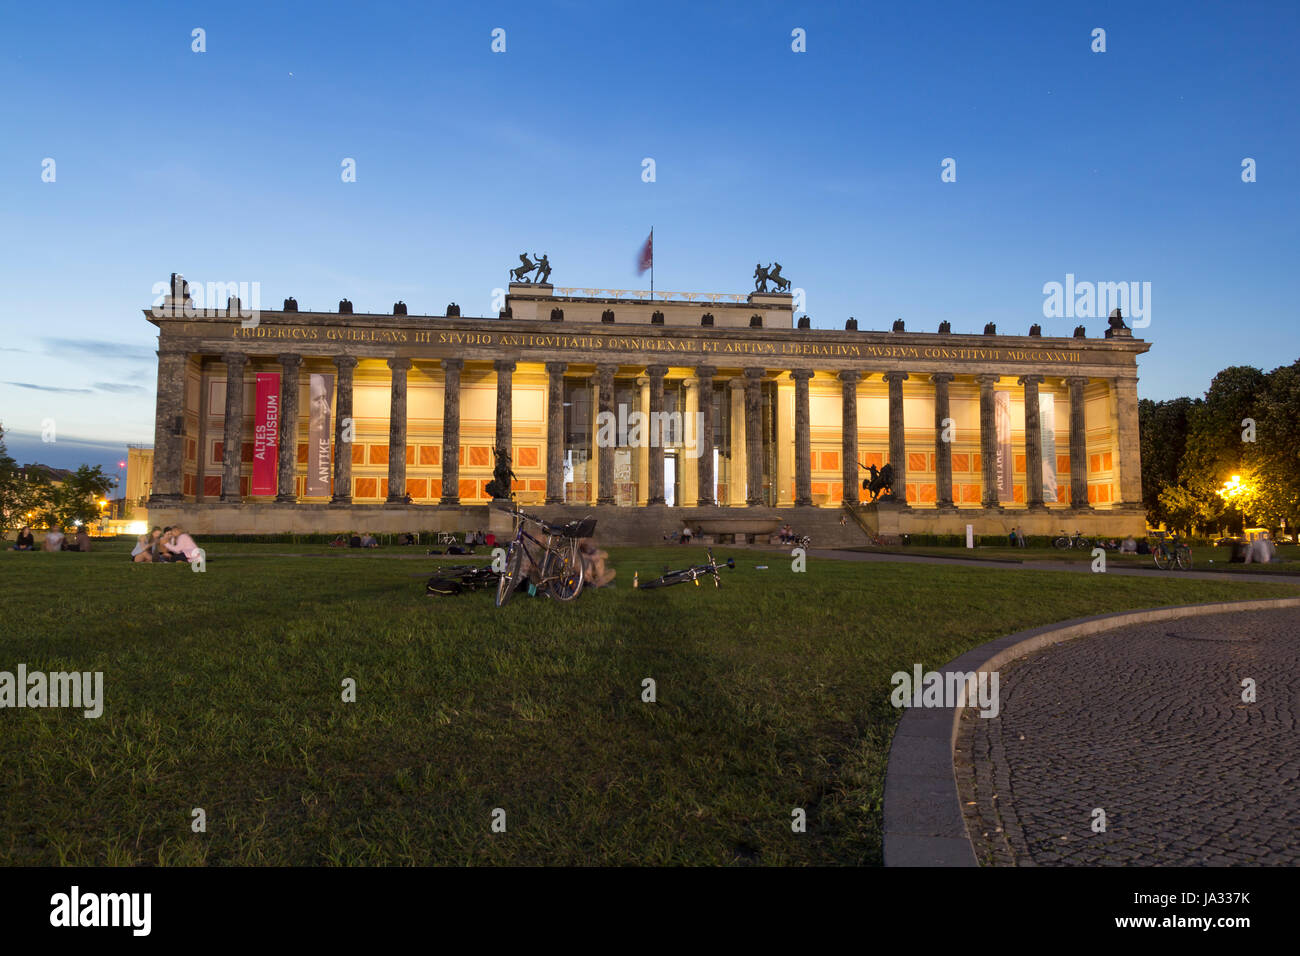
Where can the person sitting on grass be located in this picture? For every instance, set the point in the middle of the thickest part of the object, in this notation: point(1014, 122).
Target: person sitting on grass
point(686, 534)
point(596, 573)
point(1130, 546)
point(83, 540)
point(160, 536)
point(340, 542)
point(181, 546)
point(53, 540)
point(368, 541)
point(142, 553)
point(26, 540)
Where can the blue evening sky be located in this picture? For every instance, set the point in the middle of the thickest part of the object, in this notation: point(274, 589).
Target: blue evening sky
point(225, 165)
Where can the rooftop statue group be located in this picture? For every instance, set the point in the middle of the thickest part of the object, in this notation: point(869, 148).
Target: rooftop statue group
point(771, 274)
point(542, 267)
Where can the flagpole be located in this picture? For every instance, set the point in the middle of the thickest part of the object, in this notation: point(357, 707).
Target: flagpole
point(652, 262)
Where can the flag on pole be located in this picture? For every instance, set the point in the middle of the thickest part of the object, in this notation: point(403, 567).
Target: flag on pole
point(646, 258)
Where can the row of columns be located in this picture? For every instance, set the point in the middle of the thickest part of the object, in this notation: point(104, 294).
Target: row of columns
point(167, 455)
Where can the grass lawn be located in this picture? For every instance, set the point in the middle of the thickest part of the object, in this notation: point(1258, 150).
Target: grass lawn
point(223, 692)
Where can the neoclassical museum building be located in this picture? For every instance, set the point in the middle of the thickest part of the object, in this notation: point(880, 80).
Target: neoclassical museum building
point(297, 421)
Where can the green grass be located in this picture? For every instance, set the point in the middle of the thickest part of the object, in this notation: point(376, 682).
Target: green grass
point(223, 692)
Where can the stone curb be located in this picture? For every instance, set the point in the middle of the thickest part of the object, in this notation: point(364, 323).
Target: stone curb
point(923, 822)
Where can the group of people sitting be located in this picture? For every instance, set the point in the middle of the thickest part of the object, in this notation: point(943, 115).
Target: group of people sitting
point(788, 535)
point(169, 545)
point(55, 540)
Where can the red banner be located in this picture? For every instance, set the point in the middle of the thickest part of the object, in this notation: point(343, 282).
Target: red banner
point(266, 433)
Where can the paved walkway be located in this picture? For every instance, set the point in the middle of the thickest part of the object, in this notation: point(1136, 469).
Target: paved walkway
point(1081, 567)
point(1148, 724)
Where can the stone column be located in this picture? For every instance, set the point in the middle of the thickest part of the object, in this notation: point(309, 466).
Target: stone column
point(344, 430)
point(201, 440)
point(654, 432)
point(642, 449)
point(802, 439)
point(783, 413)
point(232, 439)
point(942, 449)
point(690, 434)
point(704, 498)
point(754, 437)
point(1129, 450)
point(988, 441)
point(287, 485)
point(505, 407)
point(451, 368)
point(849, 434)
point(169, 428)
point(739, 468)
point(1033, 443)
point(555, 432)
point(592, 384)
point(1078, 443)
point(397, 431)
point(605, 454)
point(897, 435)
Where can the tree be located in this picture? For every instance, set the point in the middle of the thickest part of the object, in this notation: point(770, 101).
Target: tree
point(11, 503)
point(76, 501)
point(1215, 450)
point(1183, 510)
point(1271, 466)
point(1162, 427)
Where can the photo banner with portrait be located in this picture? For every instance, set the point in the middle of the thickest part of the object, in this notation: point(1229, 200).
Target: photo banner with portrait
point(1002, 428)
point(1047, 425)
point(266, 433)
point(318, 435)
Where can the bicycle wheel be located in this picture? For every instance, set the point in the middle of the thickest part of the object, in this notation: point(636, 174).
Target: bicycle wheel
point(1062, 543)
point(510, 578)
point(1162, 558)
point(1184, 558)
point(1083, 544)
point(566, 566)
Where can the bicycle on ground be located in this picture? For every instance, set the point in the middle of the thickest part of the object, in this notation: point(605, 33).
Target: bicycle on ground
point(692, 574)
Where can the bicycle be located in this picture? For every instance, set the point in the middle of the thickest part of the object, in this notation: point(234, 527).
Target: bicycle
point(1165, 557)
point(1076, 540)
point(461, 578)
point(693, 574)
point(554, 567)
